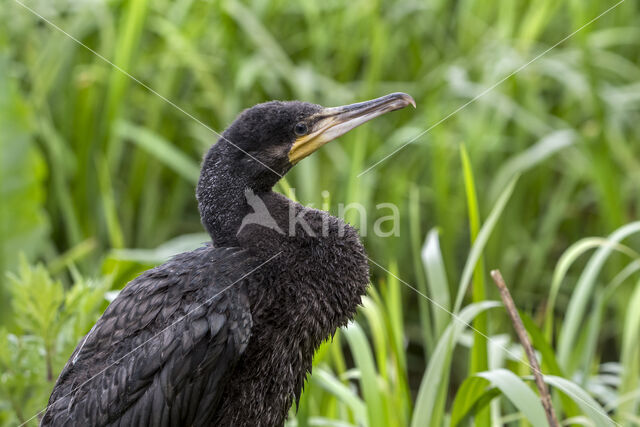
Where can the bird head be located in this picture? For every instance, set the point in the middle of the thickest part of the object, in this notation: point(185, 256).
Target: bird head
point(267, 140)
point(262, 144)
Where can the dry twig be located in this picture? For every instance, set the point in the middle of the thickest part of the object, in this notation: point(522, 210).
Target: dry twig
point(528, 348)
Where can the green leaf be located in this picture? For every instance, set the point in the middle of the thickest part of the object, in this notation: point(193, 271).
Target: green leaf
point(394, 309)
point(573, 320)
point(345, 395)
point(437, 281)
point(361, 352)
point(589, 406)
point(371, 307)
point(162, 253)
point(49, 323)
point(128, 38)
point(519, 393)
point(429, 402)
point(36, 301)
point(481, 241)
point(161, 149)
point(432, 322)
point(531, 157)
point(565, 262)
point(470, 393)
point(630, 355)
point(479, 359)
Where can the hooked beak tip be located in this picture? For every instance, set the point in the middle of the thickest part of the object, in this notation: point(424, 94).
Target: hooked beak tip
point(406, 97)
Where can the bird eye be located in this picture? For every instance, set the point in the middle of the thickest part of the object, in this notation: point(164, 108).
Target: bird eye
point(300, 129)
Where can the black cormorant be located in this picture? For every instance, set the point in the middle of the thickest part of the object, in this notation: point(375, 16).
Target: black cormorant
point(225, 335)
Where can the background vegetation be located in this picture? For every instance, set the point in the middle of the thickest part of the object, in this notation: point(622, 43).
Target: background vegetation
point(97, 178)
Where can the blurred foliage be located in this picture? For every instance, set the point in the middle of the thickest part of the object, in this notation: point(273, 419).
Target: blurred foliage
point(23, 223)
point(97, 175)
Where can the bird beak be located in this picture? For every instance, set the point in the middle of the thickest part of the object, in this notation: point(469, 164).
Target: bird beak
point(332, 122)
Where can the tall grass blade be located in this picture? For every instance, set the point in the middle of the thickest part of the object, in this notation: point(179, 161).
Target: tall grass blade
point(478, 361)
point(126, 45)
point(430, 325)
point(589, 406)
point(578, 304)
point(437, 281)
point(481, 241)
point(361, 352)
point(474, 393)
point(562, 267)
point(161, 149)
point(630, 356)
point(531, 157)
point(518, 393)
point(429, 406)
point(344, 394)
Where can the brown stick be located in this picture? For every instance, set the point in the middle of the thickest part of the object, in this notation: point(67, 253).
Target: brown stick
point(528, 348)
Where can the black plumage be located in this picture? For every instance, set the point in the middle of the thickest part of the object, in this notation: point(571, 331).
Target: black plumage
point(225, 334)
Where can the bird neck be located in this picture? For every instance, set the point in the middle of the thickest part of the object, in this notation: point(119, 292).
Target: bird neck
point(228, 184)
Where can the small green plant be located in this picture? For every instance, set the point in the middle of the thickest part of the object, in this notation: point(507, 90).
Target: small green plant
point(47, 323)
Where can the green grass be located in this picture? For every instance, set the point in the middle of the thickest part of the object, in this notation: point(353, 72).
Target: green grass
point(97, 181)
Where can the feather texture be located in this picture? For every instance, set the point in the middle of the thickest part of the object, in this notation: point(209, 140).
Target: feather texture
point(163, 350)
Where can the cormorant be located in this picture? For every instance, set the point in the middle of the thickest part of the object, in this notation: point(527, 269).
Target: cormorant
point(225, 335)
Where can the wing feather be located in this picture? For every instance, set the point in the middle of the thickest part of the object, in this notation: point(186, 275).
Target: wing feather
point(164, 348)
